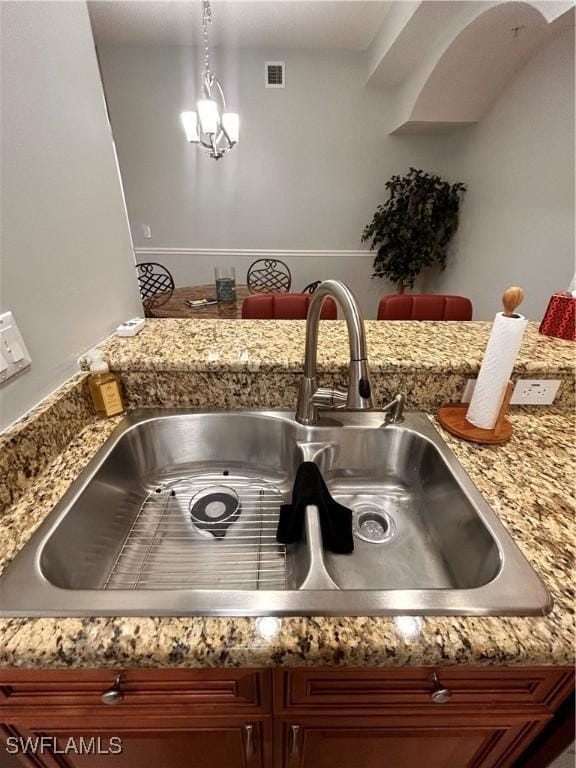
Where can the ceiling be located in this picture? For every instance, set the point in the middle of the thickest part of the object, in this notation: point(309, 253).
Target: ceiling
point(261, 24)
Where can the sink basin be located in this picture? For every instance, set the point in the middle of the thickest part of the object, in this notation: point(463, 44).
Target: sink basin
point(133, 528)
point(415, 527)
point(177, 513)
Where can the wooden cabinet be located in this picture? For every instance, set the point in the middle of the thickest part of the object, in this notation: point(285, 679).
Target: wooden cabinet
point(412, 689)
point(376, 742)
point(161, 718)
point(141, 691)
point(9, 757)
point(218, 743)
point(303, 718)
point(406, 718)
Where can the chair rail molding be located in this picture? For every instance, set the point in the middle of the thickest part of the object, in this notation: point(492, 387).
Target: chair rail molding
point(252, 253)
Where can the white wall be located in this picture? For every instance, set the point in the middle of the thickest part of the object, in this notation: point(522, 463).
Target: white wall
point(312, 162)
point(517, 224)
point(67, 269)
point(307, 174)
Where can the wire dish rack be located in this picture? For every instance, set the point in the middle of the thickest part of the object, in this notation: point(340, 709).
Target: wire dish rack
point(166, 549)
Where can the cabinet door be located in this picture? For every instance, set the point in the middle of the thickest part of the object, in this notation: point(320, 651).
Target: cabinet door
point(371, 743)
point(199, 744)
point(13, 753)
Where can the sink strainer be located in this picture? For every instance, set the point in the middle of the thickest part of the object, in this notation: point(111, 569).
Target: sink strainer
point(214, 509)
point(371, 524)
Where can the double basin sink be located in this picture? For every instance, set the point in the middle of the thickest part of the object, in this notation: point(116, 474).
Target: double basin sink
point(177, 514)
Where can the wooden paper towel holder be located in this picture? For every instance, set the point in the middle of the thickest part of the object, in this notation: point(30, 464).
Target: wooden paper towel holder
point(453, 417)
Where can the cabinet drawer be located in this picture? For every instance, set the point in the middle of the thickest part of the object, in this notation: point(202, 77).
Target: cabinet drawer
point(354, 690)
point(196, 690)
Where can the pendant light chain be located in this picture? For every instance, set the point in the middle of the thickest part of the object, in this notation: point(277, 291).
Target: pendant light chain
point(206, 20)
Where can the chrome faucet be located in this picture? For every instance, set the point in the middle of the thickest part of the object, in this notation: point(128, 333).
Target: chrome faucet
point(358, 396)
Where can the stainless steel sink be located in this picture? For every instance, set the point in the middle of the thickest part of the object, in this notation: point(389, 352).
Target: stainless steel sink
point(415, 526)
point(176, 515)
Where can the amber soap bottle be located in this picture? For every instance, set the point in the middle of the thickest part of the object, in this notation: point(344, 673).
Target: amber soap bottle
point(104, 387)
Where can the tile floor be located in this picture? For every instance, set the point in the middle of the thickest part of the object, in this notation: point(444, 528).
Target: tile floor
point(566, 760)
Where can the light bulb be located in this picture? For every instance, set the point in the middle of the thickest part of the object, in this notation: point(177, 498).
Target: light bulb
point(190, 125)
point(231, 124)
point(208, 115)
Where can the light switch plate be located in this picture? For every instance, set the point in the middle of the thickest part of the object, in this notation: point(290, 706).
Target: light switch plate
point(14, 357)
point(526, 391)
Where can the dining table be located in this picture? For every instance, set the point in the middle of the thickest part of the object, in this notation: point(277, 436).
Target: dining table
point(175, 303)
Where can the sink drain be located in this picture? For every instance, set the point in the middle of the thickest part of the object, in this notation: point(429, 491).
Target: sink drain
point(214, 509)
point(372, 525)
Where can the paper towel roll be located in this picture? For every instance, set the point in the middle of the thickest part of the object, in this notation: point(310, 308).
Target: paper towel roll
point(496, 369)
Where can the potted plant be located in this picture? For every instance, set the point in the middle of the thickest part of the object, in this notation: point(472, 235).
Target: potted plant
point(413, 228)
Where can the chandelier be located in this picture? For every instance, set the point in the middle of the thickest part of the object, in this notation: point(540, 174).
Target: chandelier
point(211, 127)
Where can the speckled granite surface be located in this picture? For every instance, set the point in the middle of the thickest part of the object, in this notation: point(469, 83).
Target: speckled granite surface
point(177, 363)
point(529, 482)
point(32, 442)
point(187, 345)
point(279, 389)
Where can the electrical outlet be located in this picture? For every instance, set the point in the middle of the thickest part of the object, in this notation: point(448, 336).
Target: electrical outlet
point(535, 391)
point(526, 391)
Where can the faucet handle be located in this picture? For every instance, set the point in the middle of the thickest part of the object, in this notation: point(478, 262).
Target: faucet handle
point(394, 410)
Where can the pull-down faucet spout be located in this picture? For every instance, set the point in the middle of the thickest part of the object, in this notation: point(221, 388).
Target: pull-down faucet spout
point(358, 396)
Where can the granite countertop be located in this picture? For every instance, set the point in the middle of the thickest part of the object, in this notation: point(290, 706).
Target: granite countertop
point(529, 482)
point(278, 345)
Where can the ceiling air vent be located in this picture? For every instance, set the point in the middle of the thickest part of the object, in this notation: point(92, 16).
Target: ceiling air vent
point(274, 74)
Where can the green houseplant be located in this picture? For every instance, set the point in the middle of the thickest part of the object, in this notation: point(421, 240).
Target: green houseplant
point(413, 228)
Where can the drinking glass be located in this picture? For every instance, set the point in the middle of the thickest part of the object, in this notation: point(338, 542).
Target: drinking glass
point(225, 283)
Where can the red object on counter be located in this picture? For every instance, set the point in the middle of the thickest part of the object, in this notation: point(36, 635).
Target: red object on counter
point(560, 317)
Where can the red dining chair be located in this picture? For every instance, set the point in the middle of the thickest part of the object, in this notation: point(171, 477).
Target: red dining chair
point(284, 306)
point(424, 306)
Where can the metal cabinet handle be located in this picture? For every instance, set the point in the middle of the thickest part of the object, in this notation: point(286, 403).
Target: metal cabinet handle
point(249, 743)
point(113, 695)
point(294, 740)
point(439, 694)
